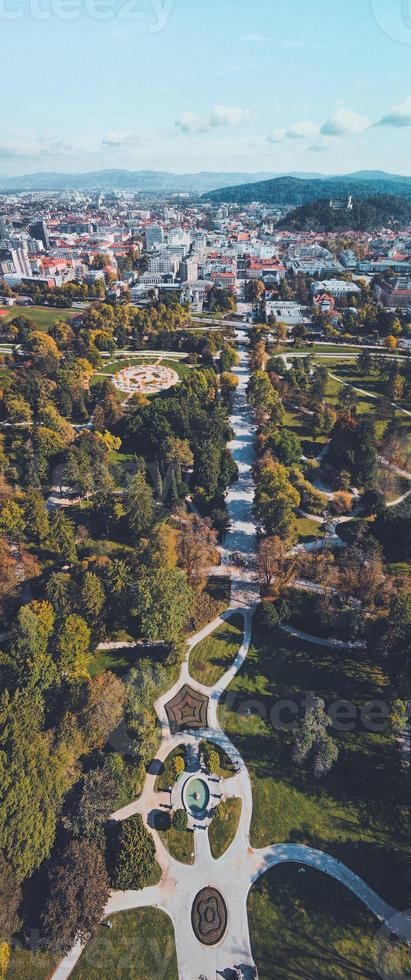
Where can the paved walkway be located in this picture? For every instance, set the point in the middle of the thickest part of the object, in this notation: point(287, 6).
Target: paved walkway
point(234, 873)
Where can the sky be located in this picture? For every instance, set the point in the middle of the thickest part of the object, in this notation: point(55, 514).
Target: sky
point(223, 85)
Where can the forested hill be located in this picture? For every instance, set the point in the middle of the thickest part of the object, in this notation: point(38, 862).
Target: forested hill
point(294, 191)
point(370, 214)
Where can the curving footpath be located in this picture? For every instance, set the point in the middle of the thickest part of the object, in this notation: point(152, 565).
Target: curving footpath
point(241, 865)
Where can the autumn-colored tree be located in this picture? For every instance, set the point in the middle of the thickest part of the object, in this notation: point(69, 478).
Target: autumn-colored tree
point(341, 502)
point(164, 545)
point(104, 698)
point(79, 890)
point(275, 562)
point(73, 648)
point(197, 548)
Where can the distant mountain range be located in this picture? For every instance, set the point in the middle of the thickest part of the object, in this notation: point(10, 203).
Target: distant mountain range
point(293, 188)
point(366, 214)
point(293, 191)
point(145, 181)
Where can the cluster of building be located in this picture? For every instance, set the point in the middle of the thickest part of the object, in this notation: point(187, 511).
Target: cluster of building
point(185, 246)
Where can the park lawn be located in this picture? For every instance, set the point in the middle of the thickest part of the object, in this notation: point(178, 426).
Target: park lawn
point(308, 530)
point(123, 465)
point(348, 373)
point(27, 965)
point(364, 404)
point(346, 813)
point(307, 925)
point(119, 661)
point(298, 422)
point(211, 657)
point(222, 830)
point(140, 946)
point(179, 843)
point(43, 316)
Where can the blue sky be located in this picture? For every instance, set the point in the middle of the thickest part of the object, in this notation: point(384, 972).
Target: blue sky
point(185, 85)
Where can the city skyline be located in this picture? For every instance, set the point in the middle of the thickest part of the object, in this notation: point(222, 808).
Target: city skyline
point(258, 88)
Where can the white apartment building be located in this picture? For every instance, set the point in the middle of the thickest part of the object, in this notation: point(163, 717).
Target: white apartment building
point(335, 287)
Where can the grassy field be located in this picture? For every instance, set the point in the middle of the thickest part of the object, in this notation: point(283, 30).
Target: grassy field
point(308, 530)
point(26, 965)
point(298, 422)
point(306, 926)
point(43, 316)
point(223, 829)
point(346, 813)
point(179, 843)
point(211, 658)
point(140, 946)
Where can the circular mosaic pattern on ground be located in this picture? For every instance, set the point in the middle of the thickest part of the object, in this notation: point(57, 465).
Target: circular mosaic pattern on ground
point(209, 916)
point(145, 379)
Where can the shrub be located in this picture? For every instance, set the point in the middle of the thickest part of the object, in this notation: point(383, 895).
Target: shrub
point(135, 855)
point(341, 502)
point(178, 766)
point(270, 615)
point(180, 820)
point(212, 760)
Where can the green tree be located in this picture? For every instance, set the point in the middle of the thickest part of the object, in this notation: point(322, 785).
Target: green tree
point(12, 520)
point(164, 601)
point(34, 776)
point(180, 820)
point(59, 591)
point(139, 505)
point(62, 536)
point(30, 639)
point(37, 517)
point(92, 598)
point(207, 467)
point(312, 741)
point(10, 899)
point(135, 863)
point(276, 500)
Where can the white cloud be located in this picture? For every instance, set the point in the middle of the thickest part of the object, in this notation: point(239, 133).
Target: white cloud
point(345, 122)
point(43, 146)
point(119, 139)
point(278, 136)
point(221, 115)
point(302, 131)
point(320, 145)
point(399, 115)
point(226, 115)
point(191, 122)
point(255, 38)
